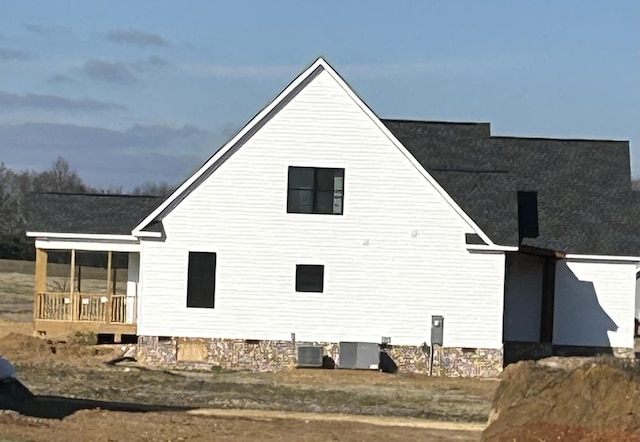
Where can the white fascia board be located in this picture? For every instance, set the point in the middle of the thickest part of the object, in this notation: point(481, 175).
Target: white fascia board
point(94, 246)
point(83, 236)
point(407, 154)
point(491, 248)
point(144, 234)
point(229, 145)
point(603, 257)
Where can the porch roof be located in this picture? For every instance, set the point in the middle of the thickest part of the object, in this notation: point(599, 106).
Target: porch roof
point(94, 214)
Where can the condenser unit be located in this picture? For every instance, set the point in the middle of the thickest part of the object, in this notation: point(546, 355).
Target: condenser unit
point(310, 356)
point(360, 355)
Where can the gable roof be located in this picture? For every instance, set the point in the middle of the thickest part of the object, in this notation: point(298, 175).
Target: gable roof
point(93, 214)
point(585, 202)
point(320, 65)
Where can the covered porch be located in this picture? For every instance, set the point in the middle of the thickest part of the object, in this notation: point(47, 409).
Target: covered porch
point(79, 289)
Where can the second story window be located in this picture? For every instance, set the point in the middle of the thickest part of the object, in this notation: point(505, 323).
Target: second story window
point(315, 190)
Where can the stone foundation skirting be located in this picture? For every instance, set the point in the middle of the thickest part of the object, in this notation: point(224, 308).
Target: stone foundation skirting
point(254, 355)
point(517, 351)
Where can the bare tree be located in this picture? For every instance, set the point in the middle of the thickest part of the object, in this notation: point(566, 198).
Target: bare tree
point(154, 189)
point(60, 178)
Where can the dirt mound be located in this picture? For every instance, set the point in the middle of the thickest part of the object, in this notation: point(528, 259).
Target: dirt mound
point(592, 400)
point(19, 348)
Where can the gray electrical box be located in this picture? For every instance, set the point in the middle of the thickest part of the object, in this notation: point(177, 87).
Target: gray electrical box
point(437, 330)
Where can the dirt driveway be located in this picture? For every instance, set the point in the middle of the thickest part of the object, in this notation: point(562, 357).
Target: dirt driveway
point(107, 426)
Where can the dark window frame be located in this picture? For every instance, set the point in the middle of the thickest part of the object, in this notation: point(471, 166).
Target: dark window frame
point(318, 192)
point(201, 286)
point(304, 274)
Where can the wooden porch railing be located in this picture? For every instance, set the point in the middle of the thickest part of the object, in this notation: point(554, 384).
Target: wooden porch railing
point(92, 307)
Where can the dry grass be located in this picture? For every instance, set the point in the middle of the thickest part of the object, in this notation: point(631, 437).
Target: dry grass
point(67, 369)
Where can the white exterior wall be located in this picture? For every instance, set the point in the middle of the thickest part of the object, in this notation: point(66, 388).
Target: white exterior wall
point(523, 298)
point(394, 258)
point(594, 303)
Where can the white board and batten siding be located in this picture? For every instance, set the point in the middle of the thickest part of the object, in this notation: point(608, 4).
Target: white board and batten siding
point(594, 303)
point(394, 258)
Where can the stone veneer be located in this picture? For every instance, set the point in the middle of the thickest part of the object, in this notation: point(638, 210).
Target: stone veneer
point(205, 353)
point(516, 351)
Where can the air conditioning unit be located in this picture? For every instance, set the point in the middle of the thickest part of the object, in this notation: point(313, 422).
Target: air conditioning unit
point(359, 355)
point(310, 356)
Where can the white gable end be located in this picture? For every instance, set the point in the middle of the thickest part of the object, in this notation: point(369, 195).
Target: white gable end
point(395, 257)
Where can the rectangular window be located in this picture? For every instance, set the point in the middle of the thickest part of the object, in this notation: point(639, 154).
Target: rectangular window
point(201, 281)
point(309, 278)
point(315, 190)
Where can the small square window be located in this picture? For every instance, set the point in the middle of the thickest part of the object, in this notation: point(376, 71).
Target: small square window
point(309, 278)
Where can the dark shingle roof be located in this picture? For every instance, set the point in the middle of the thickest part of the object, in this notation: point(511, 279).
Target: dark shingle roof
point(585, 201)
point(87, 213)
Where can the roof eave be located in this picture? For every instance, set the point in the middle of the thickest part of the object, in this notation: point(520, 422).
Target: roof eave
point(82, 236)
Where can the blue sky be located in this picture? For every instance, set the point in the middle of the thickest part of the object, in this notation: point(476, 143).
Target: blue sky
point(142, 91)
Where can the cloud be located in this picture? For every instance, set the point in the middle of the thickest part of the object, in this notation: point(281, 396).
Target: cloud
point(110, 72)
point(110, 157)
point(13, 101)
point(15, 54)
point(44, 30)
point(59, 79)
point(246, 71)
point(135, 37)
point(150, 63)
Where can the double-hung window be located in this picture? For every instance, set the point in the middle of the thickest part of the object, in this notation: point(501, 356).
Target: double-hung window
point(315, 190)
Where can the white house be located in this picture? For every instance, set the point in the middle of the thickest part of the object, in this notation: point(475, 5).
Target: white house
point(320, 223)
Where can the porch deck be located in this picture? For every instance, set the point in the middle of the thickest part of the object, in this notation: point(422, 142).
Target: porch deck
point(107, 309)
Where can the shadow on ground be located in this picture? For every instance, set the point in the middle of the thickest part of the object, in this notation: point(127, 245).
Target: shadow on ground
point(15, 396)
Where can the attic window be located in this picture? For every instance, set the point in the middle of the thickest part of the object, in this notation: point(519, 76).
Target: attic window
point(315, 190)
point(527, 215)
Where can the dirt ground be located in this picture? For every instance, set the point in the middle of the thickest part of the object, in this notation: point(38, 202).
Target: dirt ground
point(107, 426)
point(570, 399)
point(305, 405)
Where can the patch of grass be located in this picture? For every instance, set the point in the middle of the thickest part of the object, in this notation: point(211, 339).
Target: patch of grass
point(83, 338)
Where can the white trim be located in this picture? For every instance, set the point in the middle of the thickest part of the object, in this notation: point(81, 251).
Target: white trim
point(491, 248)
point(86, 236)
point(406, 153)
point(320, 62)
point(95, 246)
point(223, 150)
point(603, 257)
point(143, 234)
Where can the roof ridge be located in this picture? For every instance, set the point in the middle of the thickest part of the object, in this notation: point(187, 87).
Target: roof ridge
point(597, 140)
point(408, 120)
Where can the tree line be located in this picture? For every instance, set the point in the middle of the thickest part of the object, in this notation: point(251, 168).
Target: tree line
point(16, 186)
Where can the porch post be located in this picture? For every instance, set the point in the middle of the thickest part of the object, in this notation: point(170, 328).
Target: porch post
point(109, 284)
point(75, 305)
point(41, 281)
